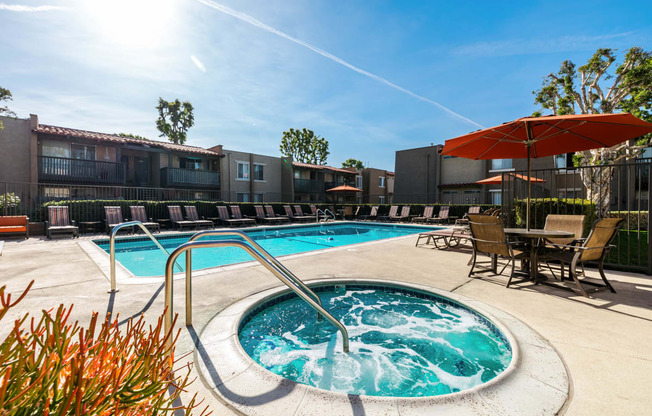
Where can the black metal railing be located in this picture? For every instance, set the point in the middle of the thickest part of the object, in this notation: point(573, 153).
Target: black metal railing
point(308, 186)
point(77, 171)
point(176, 177)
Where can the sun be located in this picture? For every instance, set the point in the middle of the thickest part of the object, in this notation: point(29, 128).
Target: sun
point(131, 23)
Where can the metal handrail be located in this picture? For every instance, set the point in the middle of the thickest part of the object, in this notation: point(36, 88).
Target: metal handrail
point(257, 256)
point(323, 212)
point(112, 247)
point(261, 250)
point(328, 210)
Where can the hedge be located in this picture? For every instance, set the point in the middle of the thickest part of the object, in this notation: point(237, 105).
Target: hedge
point(540, 208)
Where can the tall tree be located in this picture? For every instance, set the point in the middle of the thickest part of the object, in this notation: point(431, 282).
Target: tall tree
point(175, 118)
point(304, 146)
point(5, 95)
point(592, 89)
point(353, 163)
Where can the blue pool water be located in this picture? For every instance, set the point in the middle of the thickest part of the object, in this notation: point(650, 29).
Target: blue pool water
point(143, 258)
point(403, 343)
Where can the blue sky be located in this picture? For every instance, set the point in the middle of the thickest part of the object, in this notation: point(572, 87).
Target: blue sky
point(372, 77)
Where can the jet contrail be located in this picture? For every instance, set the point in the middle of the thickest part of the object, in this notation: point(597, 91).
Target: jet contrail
point(21, 8)
point(246, 18)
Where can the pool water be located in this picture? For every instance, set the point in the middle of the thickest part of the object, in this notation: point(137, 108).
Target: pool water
point(402, 343)
point(143, 258)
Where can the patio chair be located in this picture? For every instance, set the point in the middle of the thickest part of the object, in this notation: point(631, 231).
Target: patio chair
point(404, 215)
point(292, 217)
point(594, 248)
point(113, 217)
point(442, 216)
point(191, 214)
point(138, 214)
point(225, 219)
point(393, 211)
point(373, 215)
point(236, 214)
point(488, 237)
point(572, 223)
point(465, 219)
point(177, 218)
point(427, 213)
point(269, 211)
point(59, 222)
point(260, 215)
point(298, 212)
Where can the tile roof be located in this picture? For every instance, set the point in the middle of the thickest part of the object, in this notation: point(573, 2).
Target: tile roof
point(321, 167)
point(114, 138)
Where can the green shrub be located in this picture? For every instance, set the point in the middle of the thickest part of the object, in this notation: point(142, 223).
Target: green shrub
point(540, 208)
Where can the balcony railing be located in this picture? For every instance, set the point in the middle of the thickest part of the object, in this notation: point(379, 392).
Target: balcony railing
point(189, 178)
point(303, 186)
point(77, 171)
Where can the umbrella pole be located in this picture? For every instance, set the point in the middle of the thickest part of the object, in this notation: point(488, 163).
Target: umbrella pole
point(528, 143)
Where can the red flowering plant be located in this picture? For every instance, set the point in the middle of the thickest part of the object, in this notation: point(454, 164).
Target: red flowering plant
point(52, 367)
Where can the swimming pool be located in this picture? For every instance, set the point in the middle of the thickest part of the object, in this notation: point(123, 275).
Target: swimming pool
point(142, 258)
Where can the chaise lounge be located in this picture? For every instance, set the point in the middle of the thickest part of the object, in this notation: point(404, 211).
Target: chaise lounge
point(59, 222)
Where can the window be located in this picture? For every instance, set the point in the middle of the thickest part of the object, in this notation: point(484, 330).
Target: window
point(564, 161)
point(258, 198)
point(496, 196)
point(243, 172)
point(242, 197)
point(55, 149)
point(258, 172)
point(359, 200)
point(448, 157)
point(501, 164)
point(297, 174)
point(193, 163)
point(381, 181)
point(569, 193)
point(381, 199)
point(358, 181)
point(82, 152)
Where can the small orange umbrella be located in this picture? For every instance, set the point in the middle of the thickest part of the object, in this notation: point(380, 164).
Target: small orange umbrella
point(530, 137)
point(344, 188)
point(498, 179)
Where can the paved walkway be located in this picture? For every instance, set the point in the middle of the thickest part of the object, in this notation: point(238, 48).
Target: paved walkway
point(605, 342)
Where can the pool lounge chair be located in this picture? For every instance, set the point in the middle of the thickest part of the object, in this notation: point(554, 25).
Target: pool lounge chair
point(393, 211)
point(292, 217)
point(465, 219)
point(403, 216)
point(427, 214)
point(298, 212)
point(260, 215)
point(269, 211)
point(113, 217)
point(59, 222)
point(138, 214)
point(443, 215)
point(236, 214)
point(177, 218)
point(191, 214)
point(223, 213)
point(373, 214)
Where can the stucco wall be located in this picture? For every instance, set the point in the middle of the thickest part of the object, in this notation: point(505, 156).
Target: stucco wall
point(15, 154)
point(270, 186)
point(416, 175)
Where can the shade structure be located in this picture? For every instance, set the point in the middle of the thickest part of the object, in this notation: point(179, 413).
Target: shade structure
point(498, 179)
point(531, 137)
point(344, 188)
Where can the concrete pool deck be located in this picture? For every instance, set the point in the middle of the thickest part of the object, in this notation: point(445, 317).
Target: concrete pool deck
point(604, 341)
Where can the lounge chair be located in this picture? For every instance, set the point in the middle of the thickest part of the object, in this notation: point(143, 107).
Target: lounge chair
point(373, 214)
point(223, 213)
point(298, 212)
point(260, 215)
point(594, 248)
point(236, 214)
point(443, 215)
point(427, 214)
point(450, 237)
point(59, 222)
point(489, 238)
point(404, 215)
point(191, 214)
point(465, 219)
point(393, 211)
point(292, 217)
point(138, 214)
point(269, 211)
point(177, 218)
point(113, 217)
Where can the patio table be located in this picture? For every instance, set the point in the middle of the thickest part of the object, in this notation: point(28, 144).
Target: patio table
point(535, 237)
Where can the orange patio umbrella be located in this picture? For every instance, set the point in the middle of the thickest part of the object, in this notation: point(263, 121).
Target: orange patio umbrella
point(344, 188)
point(530, 137)
point(498, 179)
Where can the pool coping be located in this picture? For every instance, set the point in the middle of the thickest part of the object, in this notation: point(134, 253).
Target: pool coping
point(535, 383)
point(125, 277)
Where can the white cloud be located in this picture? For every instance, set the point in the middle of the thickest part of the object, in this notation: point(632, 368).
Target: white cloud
point(198, 63)
point(534, 46)
point(21, 8)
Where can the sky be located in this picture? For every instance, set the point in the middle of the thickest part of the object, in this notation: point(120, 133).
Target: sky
point(372, 77)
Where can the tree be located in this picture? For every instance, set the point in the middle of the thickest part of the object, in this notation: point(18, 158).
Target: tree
point(304, 146)
point(180, 119)
point(352, 163)
point(132, 136)
point(5, 95)
point(592, 89)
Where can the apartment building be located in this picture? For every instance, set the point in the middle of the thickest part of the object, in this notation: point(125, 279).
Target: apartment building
point(311, 183)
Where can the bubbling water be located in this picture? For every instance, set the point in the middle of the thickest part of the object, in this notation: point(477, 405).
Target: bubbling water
point(401, 345)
